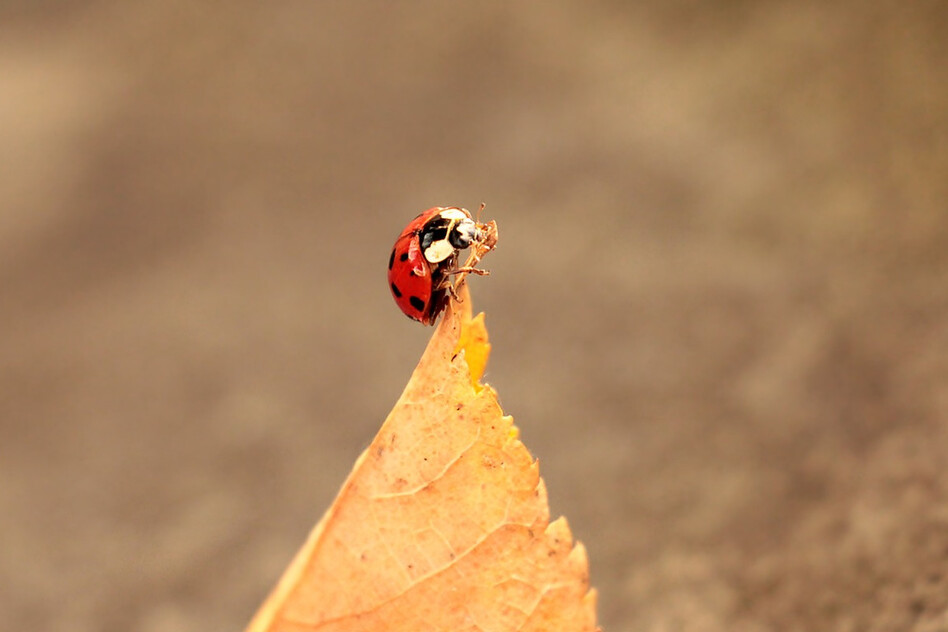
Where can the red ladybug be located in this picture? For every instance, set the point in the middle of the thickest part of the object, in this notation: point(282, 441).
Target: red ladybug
point(424, 258)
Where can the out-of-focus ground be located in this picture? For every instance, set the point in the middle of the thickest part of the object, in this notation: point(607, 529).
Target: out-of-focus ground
point(719, 308)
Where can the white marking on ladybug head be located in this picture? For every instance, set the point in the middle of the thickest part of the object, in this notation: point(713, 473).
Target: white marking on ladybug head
point(439, 250)
point(456, 214)
point(456, 230)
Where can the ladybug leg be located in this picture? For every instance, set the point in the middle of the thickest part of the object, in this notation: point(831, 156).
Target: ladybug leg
point(443, 282)
point(446, 285)
point(454, 294)
point(461, 271)
point(469, 270)
point(485, 242)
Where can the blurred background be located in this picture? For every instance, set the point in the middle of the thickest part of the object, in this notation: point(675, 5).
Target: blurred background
point(719, 306)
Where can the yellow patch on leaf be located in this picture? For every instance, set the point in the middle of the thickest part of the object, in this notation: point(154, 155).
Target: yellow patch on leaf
point(473, 344)
point(443, 523)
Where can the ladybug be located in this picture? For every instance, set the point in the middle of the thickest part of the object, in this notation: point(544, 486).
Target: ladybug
point(424, 258)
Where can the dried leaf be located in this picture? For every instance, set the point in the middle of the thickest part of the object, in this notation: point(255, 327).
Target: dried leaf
point(443, 523)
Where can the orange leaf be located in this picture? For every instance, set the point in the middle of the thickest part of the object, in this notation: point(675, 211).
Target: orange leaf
point(443, 523)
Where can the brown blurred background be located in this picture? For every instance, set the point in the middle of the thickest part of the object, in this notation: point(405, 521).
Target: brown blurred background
point(719, 307)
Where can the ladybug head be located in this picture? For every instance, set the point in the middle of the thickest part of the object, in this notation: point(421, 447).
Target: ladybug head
point(446, 233)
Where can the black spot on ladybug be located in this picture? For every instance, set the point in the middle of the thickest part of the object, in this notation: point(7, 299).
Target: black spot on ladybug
point(396, 291)
point(391, 260)
point(403, 258)
point(417, 303)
